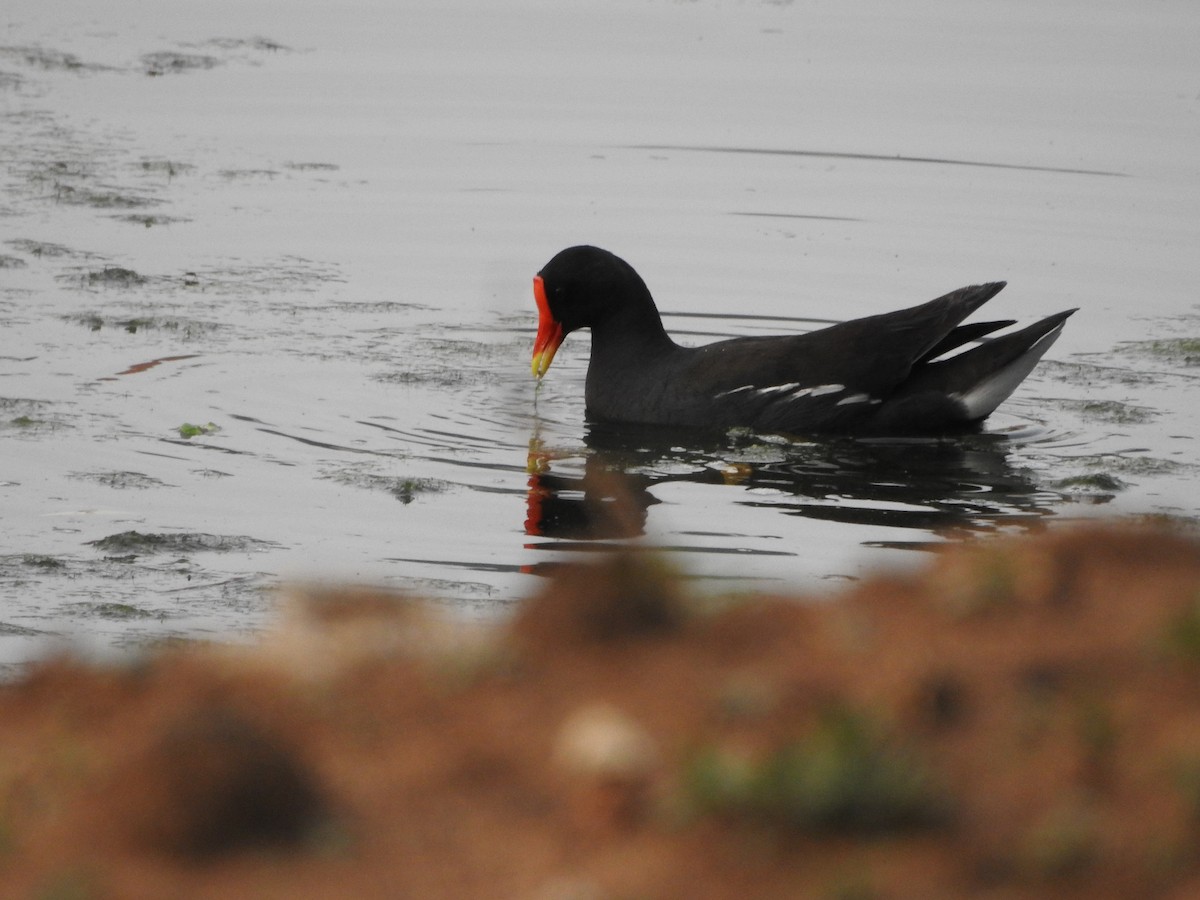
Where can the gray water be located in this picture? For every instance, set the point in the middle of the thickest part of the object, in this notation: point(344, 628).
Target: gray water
point(265, 307)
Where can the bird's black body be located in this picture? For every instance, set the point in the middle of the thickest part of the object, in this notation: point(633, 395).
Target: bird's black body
point(879, 375)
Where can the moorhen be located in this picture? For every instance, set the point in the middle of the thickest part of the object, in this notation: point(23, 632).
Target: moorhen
point(880, 375)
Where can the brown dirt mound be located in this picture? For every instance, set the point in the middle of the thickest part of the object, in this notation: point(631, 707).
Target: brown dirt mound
point(1021, 720)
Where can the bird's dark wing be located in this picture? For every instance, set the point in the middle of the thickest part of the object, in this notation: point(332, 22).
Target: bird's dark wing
point(871, 355)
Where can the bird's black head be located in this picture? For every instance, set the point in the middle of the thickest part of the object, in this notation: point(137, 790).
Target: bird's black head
point(585, 284)
point(583, 287)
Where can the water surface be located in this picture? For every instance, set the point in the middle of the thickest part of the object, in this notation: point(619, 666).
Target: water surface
point(265, 309)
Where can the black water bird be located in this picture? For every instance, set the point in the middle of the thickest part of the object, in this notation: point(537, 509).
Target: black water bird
point(886, 374)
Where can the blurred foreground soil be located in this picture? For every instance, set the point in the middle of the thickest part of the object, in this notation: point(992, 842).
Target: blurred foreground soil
point(1022, 719)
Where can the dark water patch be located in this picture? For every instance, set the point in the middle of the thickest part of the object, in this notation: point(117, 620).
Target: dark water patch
point(175, 62)
point(963, 485)
point(870, 157)
point(10, 81)
point(120, 480)
point(133, 543)
point(11, 262)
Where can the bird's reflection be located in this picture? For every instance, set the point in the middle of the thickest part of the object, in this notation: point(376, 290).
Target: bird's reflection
point(961, 484)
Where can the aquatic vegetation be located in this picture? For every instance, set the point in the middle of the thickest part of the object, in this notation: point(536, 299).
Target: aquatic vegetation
point(112, 276)
point(1140, 465)
point(1091, 374)
point(312, 166)
point(173, 62)
point(48, 59)
point(188, 431)
point(405, 489)
point(30, 425)
point(114, 610)
point(40, 248)
point(247, 174)
point(1111, 411)
point(39, 561)
point(103, 199)
point(1181, 351)
point(253, 43)
point(150, 221)
point(186, 327)
point(170, 542)
point(1099, 482)
point(168, 167)
point(120, 479)
point(289, 273)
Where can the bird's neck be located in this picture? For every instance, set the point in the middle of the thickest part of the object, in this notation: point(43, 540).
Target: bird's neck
point(635, 330)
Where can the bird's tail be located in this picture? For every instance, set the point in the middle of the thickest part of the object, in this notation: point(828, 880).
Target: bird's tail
point(966, 388)
point(982, 378)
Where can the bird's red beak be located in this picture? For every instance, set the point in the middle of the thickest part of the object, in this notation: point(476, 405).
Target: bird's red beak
point(549, 333)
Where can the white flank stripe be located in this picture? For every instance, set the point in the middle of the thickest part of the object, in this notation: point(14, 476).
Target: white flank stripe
point(737, 390)
point(778, 388)
point(853, 398)
point(821, 389)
